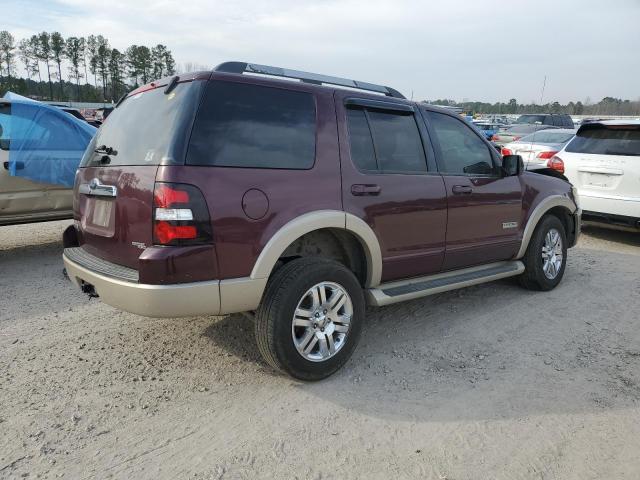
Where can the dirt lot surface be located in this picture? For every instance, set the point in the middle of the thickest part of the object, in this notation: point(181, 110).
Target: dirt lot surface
point(488, 382)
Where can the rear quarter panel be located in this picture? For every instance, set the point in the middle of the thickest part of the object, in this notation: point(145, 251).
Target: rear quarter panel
point(239, 240)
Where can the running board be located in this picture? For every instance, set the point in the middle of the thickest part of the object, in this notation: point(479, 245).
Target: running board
point(399, 291)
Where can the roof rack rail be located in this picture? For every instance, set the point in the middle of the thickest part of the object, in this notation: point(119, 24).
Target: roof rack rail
point(306, 77)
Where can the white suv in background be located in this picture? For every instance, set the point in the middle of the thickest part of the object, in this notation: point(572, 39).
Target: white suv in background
point(603, 163)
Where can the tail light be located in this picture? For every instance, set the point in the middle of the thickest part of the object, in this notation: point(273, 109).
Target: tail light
point(556, 163)
point(505, 151)
point(180, 215)
point(515, 139)
point(495, 138)
point(546, 155)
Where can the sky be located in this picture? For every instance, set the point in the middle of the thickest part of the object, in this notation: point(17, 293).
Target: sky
point(485, 50)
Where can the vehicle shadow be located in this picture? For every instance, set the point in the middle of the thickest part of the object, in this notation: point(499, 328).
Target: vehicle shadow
point(234, 333)
point(486, 352)
point(607, 234)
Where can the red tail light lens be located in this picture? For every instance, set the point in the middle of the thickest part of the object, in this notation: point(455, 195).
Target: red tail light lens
point(515, 139)
point(180, 215)
point(495, 138)
point(545, 155)
point(165, 233)
point(506, 151)
point(556, 163)
point(165, 197)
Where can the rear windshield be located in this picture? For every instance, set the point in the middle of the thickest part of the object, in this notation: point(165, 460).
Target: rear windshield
point(547, 136)
point(612, 140)
point(146, 129)
point(531, 119)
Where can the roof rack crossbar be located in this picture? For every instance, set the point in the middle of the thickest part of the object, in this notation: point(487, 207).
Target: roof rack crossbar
point(307, 77)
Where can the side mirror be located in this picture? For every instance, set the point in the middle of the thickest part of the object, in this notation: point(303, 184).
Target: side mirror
point(512, 165)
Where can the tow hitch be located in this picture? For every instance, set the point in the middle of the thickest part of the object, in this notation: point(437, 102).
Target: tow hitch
point(88, 289)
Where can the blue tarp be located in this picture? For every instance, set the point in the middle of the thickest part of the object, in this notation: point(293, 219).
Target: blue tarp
point(45, 143)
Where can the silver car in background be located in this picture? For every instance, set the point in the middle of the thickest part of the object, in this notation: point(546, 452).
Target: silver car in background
point(538, 149)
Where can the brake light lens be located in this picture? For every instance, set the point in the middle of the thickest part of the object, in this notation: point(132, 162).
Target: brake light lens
point(495, 138)
point(546, 155)
point(556, 163)
point(164, 196)
point(165, 233)
point(506, 151)
point(516, 139)
point(180, 215)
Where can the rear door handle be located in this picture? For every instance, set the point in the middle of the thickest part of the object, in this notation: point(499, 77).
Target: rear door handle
point(360, 190)
point(461, 189)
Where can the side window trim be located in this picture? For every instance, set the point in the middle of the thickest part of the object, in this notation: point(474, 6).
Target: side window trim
point(438, 150)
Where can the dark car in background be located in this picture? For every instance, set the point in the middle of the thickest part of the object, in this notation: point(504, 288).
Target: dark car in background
point(301, 203)
point(560, 120)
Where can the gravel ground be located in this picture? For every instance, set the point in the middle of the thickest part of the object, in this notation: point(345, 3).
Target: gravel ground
point(487, 382)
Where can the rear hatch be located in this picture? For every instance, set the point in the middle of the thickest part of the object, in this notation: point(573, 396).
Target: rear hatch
point(113, 196)
point(603, 160)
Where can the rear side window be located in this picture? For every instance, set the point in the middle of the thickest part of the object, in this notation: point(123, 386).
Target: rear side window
point(243, 125)
point(385, 141)
point(613, 140)
point(462, 152)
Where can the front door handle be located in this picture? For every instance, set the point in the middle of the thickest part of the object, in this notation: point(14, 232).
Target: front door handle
point(360, 190)
point(462, 189)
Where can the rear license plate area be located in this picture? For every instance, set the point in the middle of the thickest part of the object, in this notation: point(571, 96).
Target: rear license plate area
point(99, 217)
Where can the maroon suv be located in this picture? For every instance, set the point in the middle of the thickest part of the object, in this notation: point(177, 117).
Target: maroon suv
point(239, 190)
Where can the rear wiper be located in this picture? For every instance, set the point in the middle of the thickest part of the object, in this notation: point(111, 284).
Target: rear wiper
point(107, 150)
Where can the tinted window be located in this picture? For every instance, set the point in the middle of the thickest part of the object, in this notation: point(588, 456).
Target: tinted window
point(607, 141)
point(530, 119)
point(144, 127)
point(241, 125)
point(387, 141)
point(362, 152)
point(462, 152)
point(397, 142)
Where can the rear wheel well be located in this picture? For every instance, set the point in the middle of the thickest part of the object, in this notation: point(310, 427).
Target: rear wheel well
point(332, 243)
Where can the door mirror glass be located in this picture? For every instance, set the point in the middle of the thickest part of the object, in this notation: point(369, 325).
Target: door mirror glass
point(512, 165)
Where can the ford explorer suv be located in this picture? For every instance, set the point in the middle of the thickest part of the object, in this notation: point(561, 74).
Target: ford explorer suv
point(300, 199)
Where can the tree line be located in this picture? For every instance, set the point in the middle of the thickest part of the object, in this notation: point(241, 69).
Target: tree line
point(606, 106)
point(47, 57)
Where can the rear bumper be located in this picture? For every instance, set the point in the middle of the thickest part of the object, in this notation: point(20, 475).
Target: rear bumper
point(609, 205)
point(213, 297)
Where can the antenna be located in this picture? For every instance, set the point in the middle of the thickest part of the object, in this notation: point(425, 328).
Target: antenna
point(544, 84)
point(533, 137)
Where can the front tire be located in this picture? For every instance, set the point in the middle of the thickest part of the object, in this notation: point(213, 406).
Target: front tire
point(310, 318)
point(546, 256)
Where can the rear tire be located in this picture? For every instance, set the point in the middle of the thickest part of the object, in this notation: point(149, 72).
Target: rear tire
point(546, 255)
point(310, 318)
